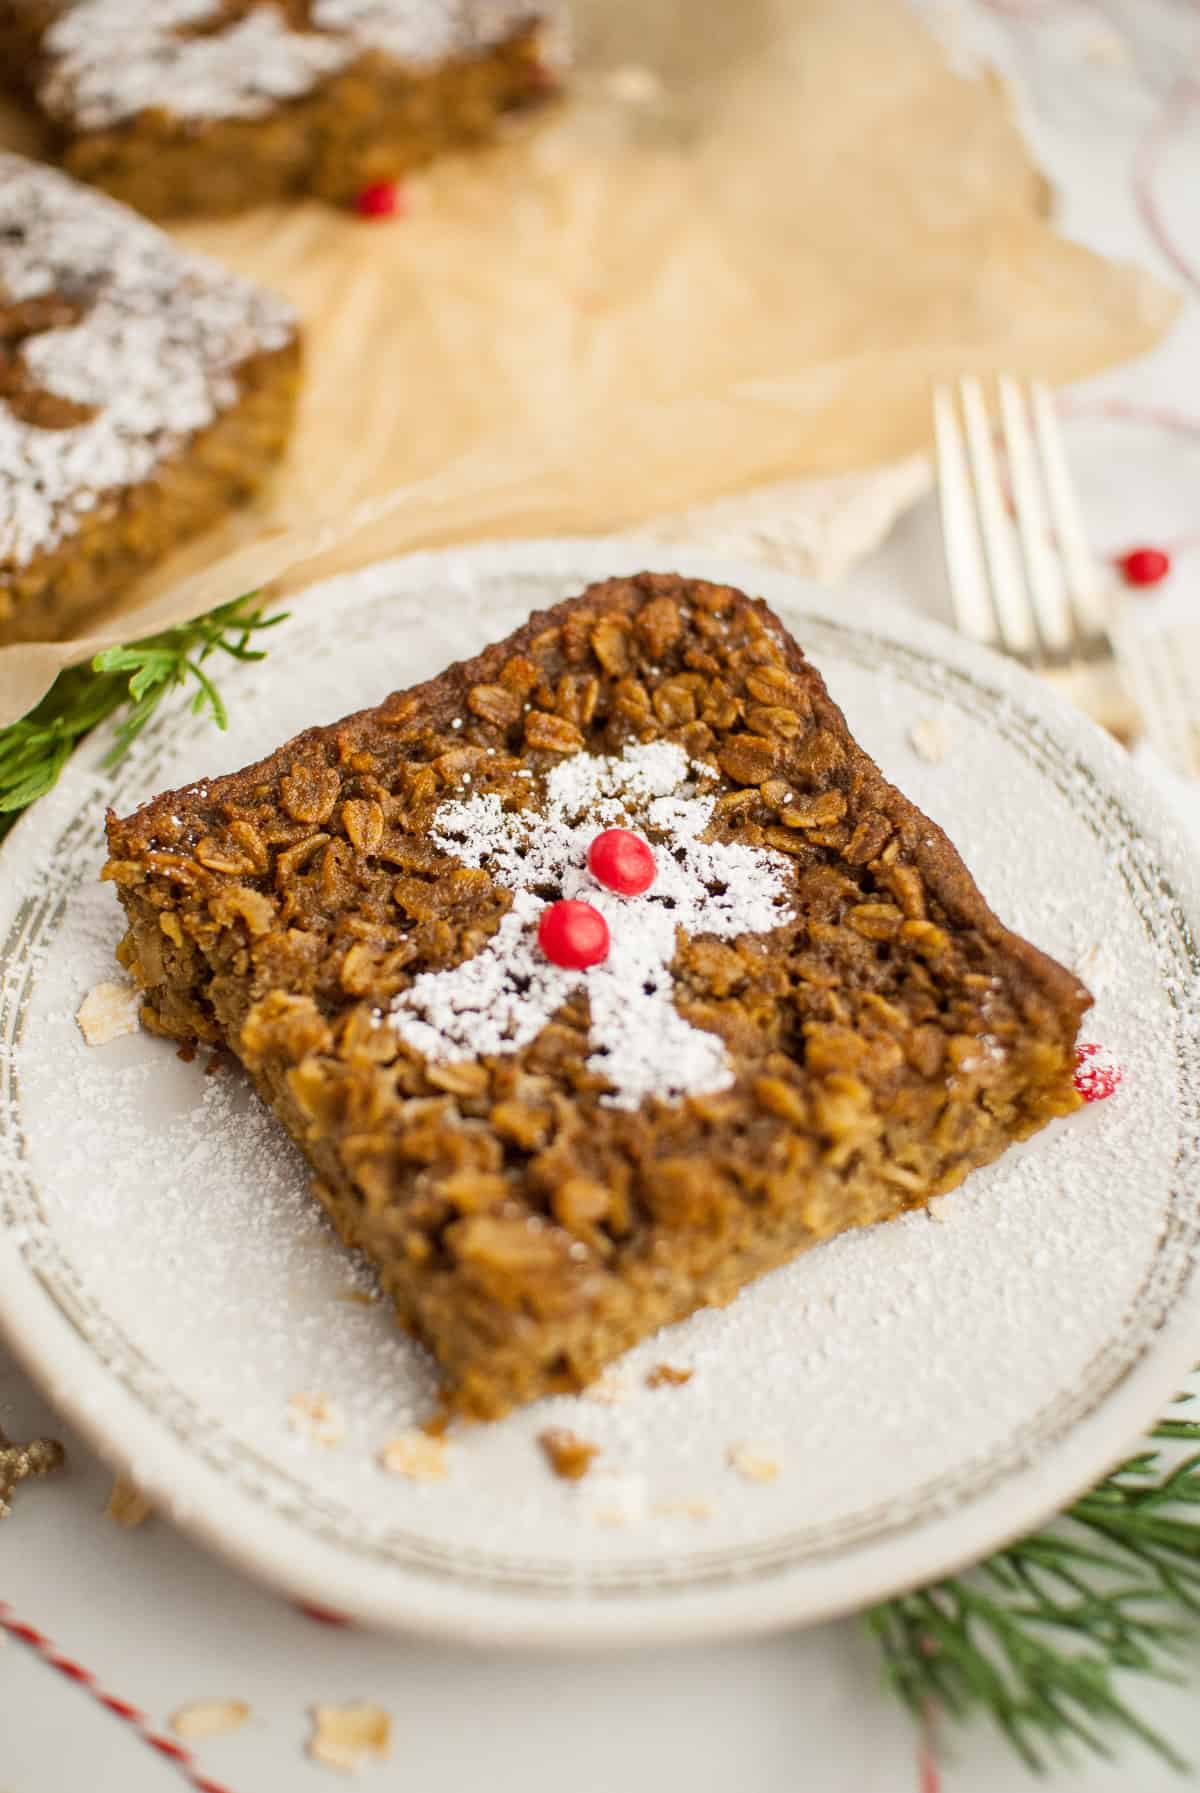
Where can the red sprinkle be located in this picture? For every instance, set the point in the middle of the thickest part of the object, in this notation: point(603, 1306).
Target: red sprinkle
point(1095, 1082)
point(382, 199)
point(621, 861)
point(1144, 566)
point(573, 935)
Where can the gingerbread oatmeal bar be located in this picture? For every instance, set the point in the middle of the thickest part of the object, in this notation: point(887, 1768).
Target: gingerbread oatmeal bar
point(595, 977)
point(207, 106)
point(142, 393)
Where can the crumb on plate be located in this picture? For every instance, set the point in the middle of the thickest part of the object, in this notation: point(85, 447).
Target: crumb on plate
point(686, 1507)
point(608, 1390)
point(622, 1502)
point(752, 1463)
point(343, 1737)
point(931, 738)
point(127, 1505)
point(209, 1718)
point(108, 1012)
point(668, 1375)
point(316, 1418)
point(568, 1455)
point(416, 1455)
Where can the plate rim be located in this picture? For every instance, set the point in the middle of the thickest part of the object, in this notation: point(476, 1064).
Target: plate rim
point(492, 1614)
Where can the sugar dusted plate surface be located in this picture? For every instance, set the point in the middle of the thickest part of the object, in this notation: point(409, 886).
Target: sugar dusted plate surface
point(883, 1410)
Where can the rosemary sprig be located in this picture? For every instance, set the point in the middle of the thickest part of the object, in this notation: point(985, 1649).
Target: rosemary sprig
point(34, 750)
point(1036, 1638)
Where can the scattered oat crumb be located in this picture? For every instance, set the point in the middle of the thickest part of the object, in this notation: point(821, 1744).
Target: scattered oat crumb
point(316, 1418)
point(417, 1456)
point(625, 1503)
point(634, 84)
point(1088, 960)
point(568, 1455)
point(1094, 966)
point(213, 1064)
point(127, 1505)
point(667, 1375)
point(684, 1508)
point(108, 1012)
point(344, 1736)
point(937, 1209)
point(931, 738)
point(607, 1391)
point(209, 1718)
point(753, 1464)
point(360, 1297)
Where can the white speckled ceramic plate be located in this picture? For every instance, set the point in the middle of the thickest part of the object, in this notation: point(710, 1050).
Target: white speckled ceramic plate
point(925, 1389)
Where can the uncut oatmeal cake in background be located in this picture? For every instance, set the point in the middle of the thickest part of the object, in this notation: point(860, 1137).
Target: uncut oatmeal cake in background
point(142, 393)
point(206, 106)
point(595, 976)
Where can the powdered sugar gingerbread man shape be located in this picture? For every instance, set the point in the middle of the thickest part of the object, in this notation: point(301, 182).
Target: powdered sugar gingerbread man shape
point(500, 1000)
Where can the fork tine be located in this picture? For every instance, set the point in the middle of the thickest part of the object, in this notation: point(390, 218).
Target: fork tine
point(1013, 611)
point(1084, 587)
point(1159, 691)
point(973, 611)
point(1043, 575)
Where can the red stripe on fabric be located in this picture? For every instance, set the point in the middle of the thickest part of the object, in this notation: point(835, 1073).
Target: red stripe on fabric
point(73, 1671)
point(174, 1751)
point(121, 1708)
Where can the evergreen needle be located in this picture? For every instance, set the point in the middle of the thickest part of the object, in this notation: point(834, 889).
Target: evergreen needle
point(132, 679)
point(1035, 1638)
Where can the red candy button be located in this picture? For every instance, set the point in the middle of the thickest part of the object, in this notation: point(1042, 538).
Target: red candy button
point(1144, 566)
point(1095, 1082)
point(573, 935)
point(621, 861)
point(380, 200)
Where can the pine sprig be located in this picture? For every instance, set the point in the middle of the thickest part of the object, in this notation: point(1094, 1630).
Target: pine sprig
point(34, 750)
point(1036, 1638)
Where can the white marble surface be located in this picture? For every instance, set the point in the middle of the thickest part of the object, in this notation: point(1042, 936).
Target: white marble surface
point(1104, 89)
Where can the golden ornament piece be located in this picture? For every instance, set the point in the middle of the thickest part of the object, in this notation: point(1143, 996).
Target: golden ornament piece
point(21, 1462)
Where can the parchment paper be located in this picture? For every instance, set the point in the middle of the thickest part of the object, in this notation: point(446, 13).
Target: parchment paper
point(739, 254)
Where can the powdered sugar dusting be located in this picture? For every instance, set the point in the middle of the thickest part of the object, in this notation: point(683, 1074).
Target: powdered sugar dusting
point(500, 1000)
point(155, 350)
point(108, 60)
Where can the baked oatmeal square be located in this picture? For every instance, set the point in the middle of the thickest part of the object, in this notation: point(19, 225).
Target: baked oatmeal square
point(185, 107)
point(143, 392)
point(595, 977)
